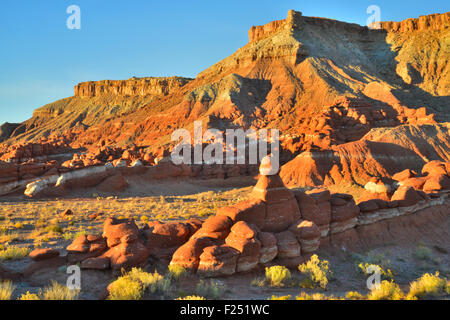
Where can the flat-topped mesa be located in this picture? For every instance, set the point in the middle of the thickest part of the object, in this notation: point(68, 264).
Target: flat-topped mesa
point(257, 33)
point(294, 21)
point(433, 21)
point(134, 86)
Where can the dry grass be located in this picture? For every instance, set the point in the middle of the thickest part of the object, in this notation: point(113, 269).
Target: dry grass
point(13, 253)
point(6, 290)
point(38, 222)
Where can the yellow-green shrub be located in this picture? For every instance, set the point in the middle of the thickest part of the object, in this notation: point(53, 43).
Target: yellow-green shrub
point(6, 290)
point(387, 290)
point(132, 285)
point(13, 253)
point(191, 298)
point(386, 274)
point(29, 296)
point(176, 272)
point(277, 276)
point(288, 297)
point(57, 291)
point(317, 271)
point(428, 285)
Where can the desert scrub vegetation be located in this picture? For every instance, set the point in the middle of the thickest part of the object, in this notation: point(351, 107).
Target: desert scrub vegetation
point(423, 253)
point(277, 276)
point(58, 291)
point(191, 298)
point(134, 284)
point(41, 221)
point(318, 272)
point(387, 290)
point(6, 290)
point(211, 289)
point(371, 258)
point(367, 269)
point(176, 272)
point(429, 285)
point(287, 297)
point(14, 253)
point(29, 296)
point(314, 296)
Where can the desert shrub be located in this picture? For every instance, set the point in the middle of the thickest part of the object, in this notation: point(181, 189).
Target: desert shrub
point(386, 274)
point(125, 288)
point(428, 285)
point(288, 297)
point(314, 296)
point(6, 290)
point(132, 285)
point(53, 228)
point(354, 295)
point(211, 289)
point(191, 298)
point(277, 276)
point(152, 282)
point(58, 291)
point(176, 272)
point(387, 290)
point(317, 271)
point(13, 253)
point(423, 253)
point(29, 296)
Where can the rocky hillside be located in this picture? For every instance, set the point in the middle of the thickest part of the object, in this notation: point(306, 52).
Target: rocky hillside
point(289, 71)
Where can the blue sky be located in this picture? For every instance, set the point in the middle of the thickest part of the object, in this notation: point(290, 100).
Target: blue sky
point(41, 59)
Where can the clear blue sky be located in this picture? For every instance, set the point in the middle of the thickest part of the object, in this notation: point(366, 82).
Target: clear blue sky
point(41, 60)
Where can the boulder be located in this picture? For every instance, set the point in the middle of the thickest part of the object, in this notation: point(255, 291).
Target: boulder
point(117, 231)
point(280, 215)
point(218, 261)
point(308, 234)
point(252, 211)
point(406, 196)
point(188, 255)
point(434, 168)
point(269, 249)
point(43, 254)
point(416, 182)
point(171, 234)
point(217, 223)
point(243, 238)
point(403, 175)
point(127, 255)
point(84, 247)
point(288, 245)
point(437, 183)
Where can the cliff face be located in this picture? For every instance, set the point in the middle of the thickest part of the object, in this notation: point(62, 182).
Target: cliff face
point(131, 87)
point(423, 23)
point(295, 74)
